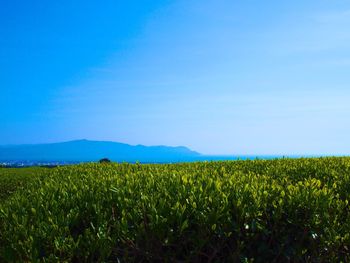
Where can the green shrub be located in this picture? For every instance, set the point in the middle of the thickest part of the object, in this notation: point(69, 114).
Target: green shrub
point(15, 179)
point(104, 160)
point(263, 211)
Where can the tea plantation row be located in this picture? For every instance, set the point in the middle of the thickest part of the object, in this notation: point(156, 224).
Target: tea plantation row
point(14, 179)
point(283, 210)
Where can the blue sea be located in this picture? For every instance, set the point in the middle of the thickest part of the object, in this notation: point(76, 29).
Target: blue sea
point(201, 158)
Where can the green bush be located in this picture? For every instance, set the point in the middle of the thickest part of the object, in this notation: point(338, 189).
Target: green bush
point(15, 179)
point(237, 211)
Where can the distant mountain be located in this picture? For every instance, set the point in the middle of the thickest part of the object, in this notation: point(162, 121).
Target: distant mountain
point(85, 150)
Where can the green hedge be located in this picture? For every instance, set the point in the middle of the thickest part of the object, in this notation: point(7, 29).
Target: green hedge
point(237, 211)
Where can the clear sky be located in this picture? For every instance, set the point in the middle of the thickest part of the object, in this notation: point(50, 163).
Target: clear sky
point(221, 77)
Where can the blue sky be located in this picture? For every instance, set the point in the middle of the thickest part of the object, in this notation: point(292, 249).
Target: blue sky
point(221, 77)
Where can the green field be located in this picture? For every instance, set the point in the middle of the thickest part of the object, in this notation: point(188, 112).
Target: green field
point(12, 180)
point(283, 210)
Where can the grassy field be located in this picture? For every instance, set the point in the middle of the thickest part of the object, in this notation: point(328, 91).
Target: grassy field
point(284, 210)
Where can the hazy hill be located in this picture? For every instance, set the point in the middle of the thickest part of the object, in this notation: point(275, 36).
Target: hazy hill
point(85, 150)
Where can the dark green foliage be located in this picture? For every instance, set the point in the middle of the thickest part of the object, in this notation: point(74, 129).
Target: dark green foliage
point(287, 210)
point(104, 160)
point(14, 179)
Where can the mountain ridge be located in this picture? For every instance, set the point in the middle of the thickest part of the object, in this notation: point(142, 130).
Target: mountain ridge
point(90, 150)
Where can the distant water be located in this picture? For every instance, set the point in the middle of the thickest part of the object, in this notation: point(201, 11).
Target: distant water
point(201, 158)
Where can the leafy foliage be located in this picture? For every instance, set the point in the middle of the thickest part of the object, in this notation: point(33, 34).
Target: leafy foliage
point(14, 179)
point(256, 210)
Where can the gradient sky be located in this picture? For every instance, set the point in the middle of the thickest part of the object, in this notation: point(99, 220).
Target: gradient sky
point(221, 77)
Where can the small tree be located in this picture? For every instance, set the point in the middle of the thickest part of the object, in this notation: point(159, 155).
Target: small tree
point(104, 160)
